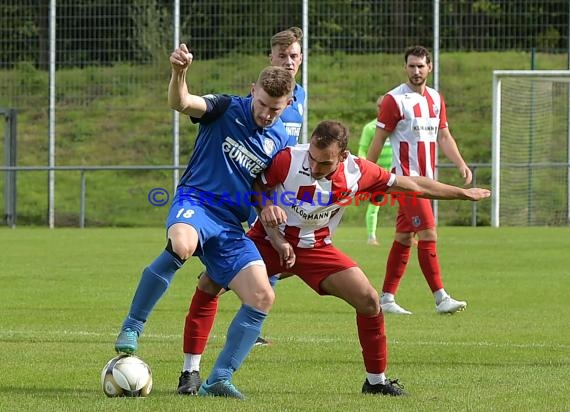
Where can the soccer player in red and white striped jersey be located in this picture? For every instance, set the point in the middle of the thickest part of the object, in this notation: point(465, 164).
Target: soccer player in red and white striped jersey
point(414, 117)
point(309, 187)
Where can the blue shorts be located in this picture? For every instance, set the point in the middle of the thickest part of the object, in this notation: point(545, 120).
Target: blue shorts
point(223, 247)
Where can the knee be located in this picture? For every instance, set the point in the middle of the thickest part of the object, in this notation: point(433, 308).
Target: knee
point(404, 238)
point(264, 299)
point(182, 241)
point(369, 304)
point(182, 249)
point(428, 235)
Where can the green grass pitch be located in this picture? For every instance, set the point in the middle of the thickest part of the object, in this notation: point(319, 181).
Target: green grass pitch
point(64, 293)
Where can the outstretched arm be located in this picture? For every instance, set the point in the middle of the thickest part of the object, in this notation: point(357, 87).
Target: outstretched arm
point(179, 98)
point(431, 189)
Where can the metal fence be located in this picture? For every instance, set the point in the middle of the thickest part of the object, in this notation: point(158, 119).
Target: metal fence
point(155, 197)
point(106, 60)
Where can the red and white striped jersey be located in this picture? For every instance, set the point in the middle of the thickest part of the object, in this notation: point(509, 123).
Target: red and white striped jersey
point(314, 207)
point(414, 121)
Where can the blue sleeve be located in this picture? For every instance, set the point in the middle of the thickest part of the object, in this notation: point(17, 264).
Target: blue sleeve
point(216, 105)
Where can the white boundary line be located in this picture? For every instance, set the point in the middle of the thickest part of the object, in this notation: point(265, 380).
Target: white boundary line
point(6, 334)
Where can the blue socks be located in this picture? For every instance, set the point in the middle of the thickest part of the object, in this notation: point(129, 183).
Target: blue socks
point(154, 281)
point(242, 334)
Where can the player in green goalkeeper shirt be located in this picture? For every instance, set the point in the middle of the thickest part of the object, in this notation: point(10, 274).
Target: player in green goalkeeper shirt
point(384, 161)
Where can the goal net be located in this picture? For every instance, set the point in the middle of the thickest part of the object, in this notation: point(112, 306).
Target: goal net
point(531, 148)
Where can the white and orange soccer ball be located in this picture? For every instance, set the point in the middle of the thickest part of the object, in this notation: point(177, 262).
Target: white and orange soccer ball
point(126, 375)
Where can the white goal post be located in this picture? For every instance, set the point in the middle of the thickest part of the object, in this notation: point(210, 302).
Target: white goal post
point(531, 148)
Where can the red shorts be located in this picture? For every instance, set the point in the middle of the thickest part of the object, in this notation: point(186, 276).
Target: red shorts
point(414, 214)
point(311, 265)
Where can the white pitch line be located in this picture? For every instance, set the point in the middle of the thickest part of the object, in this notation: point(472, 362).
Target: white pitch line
point(6, 334)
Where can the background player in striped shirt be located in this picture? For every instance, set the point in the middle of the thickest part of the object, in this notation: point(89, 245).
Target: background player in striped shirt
point(311, 184)
point(413, 116)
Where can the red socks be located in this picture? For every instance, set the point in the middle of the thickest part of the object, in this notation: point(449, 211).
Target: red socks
point(372, 341)
point(395, 267)
point(429, 262)
point(199, 322)
point(398, 260)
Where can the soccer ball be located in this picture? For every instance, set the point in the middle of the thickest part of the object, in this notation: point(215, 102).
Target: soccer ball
point(126, 375)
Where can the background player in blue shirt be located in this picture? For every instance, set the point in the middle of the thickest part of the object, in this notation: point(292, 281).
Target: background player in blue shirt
point(286, 52)
point(237, 138)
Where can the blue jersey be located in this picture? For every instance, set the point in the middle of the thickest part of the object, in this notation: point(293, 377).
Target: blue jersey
point(230, 151)
point(292, 116)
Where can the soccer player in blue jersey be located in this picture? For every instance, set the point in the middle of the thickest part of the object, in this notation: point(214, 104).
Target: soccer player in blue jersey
point(286, 52)
point(237, 138)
